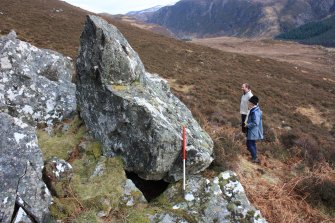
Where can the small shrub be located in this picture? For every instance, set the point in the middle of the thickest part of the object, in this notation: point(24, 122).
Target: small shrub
point(234, 121)
point(288, 139)
point(310, 149)
point(329, 154)
point(269, 133)
point(332, 131)
point(277, 151)
point(318, 192)
point(225, 151)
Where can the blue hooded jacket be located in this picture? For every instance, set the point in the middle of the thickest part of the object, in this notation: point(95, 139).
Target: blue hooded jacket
point(254, 124)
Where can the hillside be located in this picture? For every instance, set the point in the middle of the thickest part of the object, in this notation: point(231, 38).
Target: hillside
point(298, 103)
point(315, 33)
point(255, 18)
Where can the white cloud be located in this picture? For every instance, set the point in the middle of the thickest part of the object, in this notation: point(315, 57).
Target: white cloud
point(118, 6)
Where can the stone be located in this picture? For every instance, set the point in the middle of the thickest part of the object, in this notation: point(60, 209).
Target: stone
point(221, 199)
point(82, 147)
point(35, 84)
point(166, 218)
point(132, 112)
point(131, 194)
point(57, 174)
point(21, 166)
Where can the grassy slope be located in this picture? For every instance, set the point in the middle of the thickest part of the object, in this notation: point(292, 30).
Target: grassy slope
point(207, 80)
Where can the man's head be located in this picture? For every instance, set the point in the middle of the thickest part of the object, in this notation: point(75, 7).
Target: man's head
point(245, 88)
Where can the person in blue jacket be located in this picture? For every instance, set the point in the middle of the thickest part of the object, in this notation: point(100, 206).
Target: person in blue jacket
point(254, 126)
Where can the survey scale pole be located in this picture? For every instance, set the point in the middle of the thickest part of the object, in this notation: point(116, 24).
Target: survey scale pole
point(184, 158)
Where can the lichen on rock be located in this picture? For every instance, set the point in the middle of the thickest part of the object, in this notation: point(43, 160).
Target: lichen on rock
point(35, 84)
point(221, 199)
point(21, 166)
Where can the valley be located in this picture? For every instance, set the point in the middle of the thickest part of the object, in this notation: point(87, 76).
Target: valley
point(317, 58)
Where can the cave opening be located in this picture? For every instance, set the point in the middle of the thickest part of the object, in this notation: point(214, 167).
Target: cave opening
point(149, 188)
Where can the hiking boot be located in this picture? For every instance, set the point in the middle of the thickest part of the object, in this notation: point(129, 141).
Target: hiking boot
point(256, 161)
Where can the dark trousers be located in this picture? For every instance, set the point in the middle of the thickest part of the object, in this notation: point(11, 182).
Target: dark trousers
point(251, 145)
point(244, 129)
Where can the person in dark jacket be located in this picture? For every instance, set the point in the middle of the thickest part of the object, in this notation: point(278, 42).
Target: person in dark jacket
point(254, 126)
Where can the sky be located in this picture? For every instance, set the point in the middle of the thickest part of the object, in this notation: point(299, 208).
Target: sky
point(118, 6)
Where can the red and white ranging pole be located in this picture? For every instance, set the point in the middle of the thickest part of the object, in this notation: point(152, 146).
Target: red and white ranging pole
point(184, 157)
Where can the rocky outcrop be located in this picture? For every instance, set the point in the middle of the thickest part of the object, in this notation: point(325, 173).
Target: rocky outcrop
point(133, 113)
point(35, 84)
point(21, 166)
point(219, 200)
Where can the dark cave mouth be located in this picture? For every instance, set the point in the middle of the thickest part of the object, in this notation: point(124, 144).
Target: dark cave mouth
point(149, 188)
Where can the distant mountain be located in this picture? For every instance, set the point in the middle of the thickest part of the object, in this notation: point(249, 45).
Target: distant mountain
point(152, 9)
point(244, 18)
point(143, 15)
point(320, 32)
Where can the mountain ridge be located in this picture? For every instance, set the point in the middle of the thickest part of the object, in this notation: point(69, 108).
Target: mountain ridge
point(320, 32)
point(144, 14)
point(255, 18)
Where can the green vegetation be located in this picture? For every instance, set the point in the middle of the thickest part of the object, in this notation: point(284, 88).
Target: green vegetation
point(306, 31)
point(88, 216)
point(64, 207)
point(321, 32)
point(94, 149)
point(138, 215)
point(61, 142)
point(109, 183)
point(119, 87)
point(91, 191)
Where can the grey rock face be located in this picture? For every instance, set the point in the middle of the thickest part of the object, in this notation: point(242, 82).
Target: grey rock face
point(21, 172)
point(133, 113)
point(35, 84)
point(219, 200)
point(113, 60)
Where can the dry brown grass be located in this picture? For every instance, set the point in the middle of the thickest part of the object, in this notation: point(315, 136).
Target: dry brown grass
point(279, 203)
point(315, 116)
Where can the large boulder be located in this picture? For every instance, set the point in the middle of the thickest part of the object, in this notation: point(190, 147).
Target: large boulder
point(22, 191)
point(35, 84)
point(133, 113)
